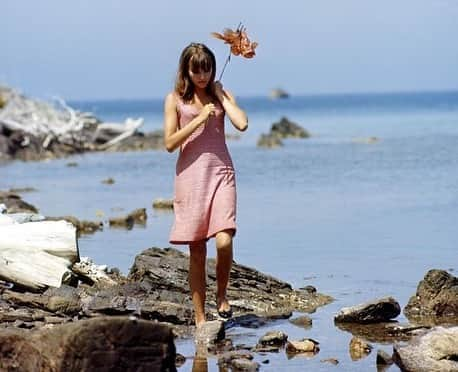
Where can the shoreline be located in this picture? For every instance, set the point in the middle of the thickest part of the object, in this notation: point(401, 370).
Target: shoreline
point(169, 267)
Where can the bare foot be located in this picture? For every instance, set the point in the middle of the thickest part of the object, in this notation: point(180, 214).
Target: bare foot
point(224, 308)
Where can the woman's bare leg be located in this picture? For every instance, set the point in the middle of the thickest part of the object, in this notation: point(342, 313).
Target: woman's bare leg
point(223, 267)
point(197, 278)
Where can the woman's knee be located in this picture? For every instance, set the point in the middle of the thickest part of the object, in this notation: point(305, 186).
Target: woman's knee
point(224, 240)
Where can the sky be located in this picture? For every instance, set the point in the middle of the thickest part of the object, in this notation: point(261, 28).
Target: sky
point(112, 49)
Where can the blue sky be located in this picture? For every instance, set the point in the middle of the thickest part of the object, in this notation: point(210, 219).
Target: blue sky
point(103, 49)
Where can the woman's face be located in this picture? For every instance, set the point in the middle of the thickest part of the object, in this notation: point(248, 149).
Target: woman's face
point(200, 78)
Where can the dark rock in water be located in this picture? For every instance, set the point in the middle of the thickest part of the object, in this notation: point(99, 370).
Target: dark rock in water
point(96, 344)
point(379, 310)
point(138, 216)
point(15, 204)
point(179, 360)
point(436, 298)
point(82, 226)
point(288, 129)
point(359, 349)
point(163, 204)
point(249, 291)
point(269, 141)
point(280, 130)
point(330, 360)
point(383, 358)
point(302, 321)
point(273, 338)
point(237, 361)
point(141, 141)
point(437, 350)
point(381, 332)
point(245, 365)
point(278, 93)
point(157, 289)
point(306, 345)
point(108, 181)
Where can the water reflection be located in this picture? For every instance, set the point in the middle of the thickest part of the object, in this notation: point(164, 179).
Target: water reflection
point(200, 363)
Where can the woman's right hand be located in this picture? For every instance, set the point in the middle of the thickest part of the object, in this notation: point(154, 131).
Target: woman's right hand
point(207, 110)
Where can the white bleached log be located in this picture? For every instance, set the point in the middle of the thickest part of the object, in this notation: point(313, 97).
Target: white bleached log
point(122, 131)
point(36, 255)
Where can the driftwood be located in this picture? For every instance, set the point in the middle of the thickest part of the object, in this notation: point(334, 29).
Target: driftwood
point(31, 123)
point(121, 131)
point(36, 255)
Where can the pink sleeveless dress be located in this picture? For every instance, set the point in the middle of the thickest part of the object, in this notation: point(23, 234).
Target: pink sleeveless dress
point(205, 193)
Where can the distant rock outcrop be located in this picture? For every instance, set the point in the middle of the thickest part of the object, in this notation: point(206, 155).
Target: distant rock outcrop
point(278, 93)
point(280, 130)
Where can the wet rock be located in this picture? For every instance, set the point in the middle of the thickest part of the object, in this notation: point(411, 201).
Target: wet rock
point(302, 321)
point(249, 291)
point(309, 289)
point(333, 361)
point(210, 332)
point(225, 360)
point(237, 361)
point(382, 332)
point(71, 164)
point(437, 350)
point(306, 345)
point(436, 297)
point(383, 358)
point(288, 129)
point(244, 365)
point(280, 130)
point(108, 181)
point(89, 345)
point(330, 360)
point(278, 93)
point(265, 349)
point(62, 300)
point(269, 141)
point(273, 338)
point(15, 204)
point(359, 348)
point(141, 141)
point(179, 360)
point(138, 216)
point(157, 289)
point(379, 310)
point(83, 227)
point(163, 204)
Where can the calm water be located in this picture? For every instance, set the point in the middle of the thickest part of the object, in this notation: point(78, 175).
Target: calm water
point(361, 220)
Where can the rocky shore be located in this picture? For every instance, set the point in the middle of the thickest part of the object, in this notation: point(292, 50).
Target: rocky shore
point(35, 130)
point(103, 318)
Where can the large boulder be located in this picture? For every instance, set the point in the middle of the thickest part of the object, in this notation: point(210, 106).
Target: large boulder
point(436, 299)
point(380, 310)
point(166, 272)
point(436, 350)
point(102, 344)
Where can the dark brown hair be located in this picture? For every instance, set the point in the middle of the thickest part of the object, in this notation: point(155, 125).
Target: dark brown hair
point(195, 57)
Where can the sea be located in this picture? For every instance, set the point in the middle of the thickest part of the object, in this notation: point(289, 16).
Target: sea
point(360, 210)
